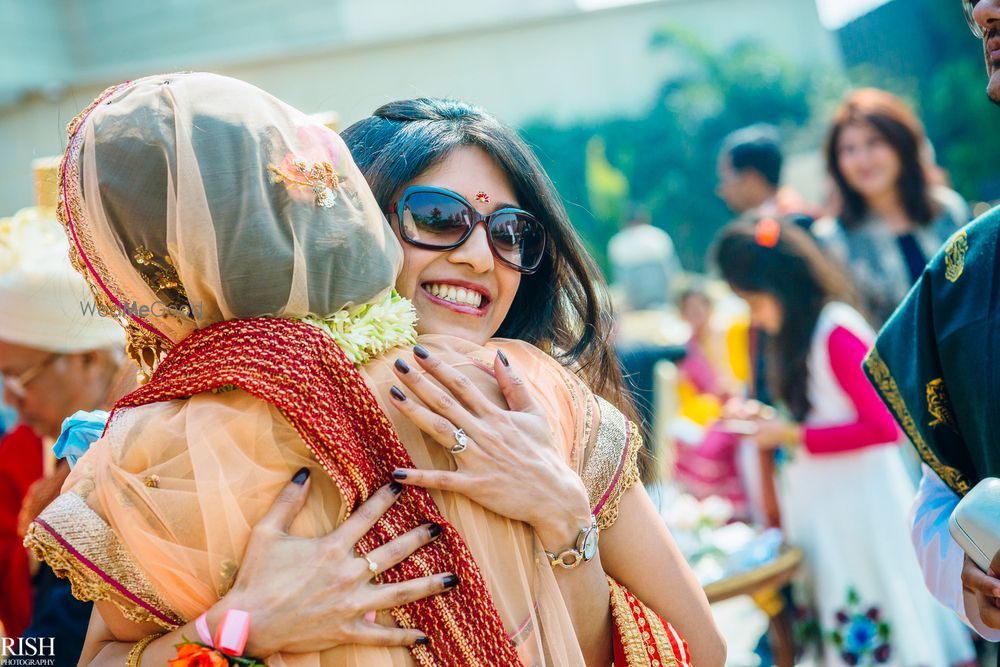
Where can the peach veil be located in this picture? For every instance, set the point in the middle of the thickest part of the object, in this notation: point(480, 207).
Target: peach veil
point(192, 199)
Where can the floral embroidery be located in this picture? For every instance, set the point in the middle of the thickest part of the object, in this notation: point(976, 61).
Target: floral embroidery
point(163, 279)
point(861, 636)
point(318, 178)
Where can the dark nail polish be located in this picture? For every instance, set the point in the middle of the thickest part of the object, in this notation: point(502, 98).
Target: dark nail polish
point(423, 640)
point(301, 476)
point(435, 529)
point(399, 474)
point(451, 581)
point(402, 366)
point(396, 393)
point(421, 351)
point(503, 358)
point(396, 487)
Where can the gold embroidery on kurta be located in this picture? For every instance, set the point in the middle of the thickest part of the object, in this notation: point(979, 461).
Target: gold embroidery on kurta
point(887, 387)
point(938, 404)
point(954, 256)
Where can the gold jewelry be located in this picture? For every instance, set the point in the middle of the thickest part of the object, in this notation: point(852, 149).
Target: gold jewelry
point(135, 655)
point(582, 552)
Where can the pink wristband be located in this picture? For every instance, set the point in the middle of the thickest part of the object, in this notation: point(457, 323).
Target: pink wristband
point(231, 635)
point(201, 625)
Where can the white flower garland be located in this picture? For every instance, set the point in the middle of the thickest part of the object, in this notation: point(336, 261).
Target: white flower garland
point(371, 329)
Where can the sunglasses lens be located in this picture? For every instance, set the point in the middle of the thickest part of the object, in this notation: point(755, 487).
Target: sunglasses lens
point(434, 219)
point(968, 6)
point(518, 238)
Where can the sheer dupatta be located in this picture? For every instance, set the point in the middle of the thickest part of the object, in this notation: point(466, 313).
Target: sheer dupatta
point(197, 205)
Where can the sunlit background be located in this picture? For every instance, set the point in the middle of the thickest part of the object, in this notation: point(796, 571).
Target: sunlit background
point(626, 101)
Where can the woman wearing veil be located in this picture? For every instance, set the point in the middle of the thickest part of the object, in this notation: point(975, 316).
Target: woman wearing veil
point(235, 240)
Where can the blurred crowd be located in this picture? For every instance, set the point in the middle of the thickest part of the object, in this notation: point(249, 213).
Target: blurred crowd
point(769, 407)
point(748, 379)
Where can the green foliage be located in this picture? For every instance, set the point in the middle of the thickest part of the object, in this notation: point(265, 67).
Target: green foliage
point(664, 159)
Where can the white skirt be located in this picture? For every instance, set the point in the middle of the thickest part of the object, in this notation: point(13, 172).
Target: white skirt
point(849, 513)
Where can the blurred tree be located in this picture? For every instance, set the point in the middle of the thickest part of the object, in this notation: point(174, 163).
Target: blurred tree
point(923, 51)
point(667, 154)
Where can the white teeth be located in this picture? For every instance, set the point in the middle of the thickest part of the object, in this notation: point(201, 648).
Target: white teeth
point(454, 294)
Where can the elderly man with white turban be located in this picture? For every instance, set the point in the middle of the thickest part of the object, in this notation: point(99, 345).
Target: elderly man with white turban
point(57, 356)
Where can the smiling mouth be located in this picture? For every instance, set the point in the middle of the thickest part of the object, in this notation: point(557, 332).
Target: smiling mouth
point(459, 296)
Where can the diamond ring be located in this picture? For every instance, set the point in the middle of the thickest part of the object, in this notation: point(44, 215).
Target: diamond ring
point(461, 442)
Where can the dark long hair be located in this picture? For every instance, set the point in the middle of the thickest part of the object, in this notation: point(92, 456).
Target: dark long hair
point(796, 273)
point(562, 308)
point(897, 124)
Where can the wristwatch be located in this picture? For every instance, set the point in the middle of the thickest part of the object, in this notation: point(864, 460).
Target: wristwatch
point(584, 550)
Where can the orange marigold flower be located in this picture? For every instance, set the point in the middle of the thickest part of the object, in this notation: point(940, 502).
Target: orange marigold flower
point(195, 655)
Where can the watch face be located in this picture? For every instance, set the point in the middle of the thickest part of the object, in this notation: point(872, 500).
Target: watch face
point(590, 544)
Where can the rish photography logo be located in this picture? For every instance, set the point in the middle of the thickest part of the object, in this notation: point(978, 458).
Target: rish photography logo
point(135, 309)
point(25, 651)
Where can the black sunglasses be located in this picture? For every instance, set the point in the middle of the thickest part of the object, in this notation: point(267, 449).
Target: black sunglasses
point(439, 219)
point(967, 7)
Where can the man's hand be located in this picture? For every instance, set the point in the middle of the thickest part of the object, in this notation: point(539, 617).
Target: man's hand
point(986, 588)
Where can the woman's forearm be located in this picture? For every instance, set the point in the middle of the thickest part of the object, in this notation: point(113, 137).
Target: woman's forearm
point(110, 638)
point(585, 593)
point(639, 552)
point(584, 588)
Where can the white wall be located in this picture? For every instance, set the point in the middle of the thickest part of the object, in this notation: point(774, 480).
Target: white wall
point(520, 59)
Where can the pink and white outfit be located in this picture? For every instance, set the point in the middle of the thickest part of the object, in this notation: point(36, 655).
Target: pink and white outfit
point(845, 497)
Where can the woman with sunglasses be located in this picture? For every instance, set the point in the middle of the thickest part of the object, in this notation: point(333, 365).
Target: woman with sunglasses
point(270, 385)
point(489, 251)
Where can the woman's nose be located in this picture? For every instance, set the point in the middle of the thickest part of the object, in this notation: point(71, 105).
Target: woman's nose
point(475, 252)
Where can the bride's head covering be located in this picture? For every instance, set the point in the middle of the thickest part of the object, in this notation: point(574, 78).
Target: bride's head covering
point(194, 198)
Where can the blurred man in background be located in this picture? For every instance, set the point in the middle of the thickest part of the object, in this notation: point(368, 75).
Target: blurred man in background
point(57, 356)
point(749, 174)
point(644, 264)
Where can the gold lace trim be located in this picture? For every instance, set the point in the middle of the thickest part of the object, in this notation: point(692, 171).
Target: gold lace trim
point(612, 467)
point(142, 346)
point(89, 535)
point(634, 637)
point(887, 386)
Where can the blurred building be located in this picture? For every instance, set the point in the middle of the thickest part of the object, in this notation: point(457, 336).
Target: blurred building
point(522, 59)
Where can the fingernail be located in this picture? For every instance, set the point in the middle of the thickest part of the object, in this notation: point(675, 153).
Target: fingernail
point(396, 487)
point(423, 640)
point(397, 393)
point(503, 358)
point(399, 474)
point(450, 581)
point(435, 529)
point(421, 351)
point(402, 366)
point(301, 476)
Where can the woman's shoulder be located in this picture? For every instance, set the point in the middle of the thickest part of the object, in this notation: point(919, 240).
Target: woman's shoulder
point(827, 229)
point(952, 206)
point(839, 315)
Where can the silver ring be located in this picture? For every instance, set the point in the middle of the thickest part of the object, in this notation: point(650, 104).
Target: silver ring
point(461, 442)
point(372, 565)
